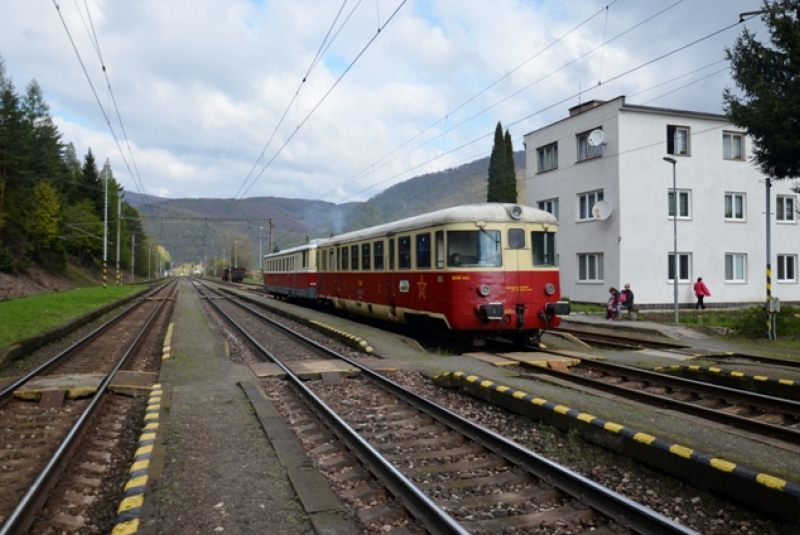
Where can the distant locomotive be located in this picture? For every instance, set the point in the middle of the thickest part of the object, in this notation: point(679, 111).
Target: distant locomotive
point(476, 271)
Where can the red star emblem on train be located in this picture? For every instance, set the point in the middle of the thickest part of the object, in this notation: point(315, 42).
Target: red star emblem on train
point(421, 285)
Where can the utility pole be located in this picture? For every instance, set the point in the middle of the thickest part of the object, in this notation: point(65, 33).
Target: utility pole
point(133, 253)
point(105, 226)
point(236, 252)
point(270, 236)
point(148, 263)
point(119, 219)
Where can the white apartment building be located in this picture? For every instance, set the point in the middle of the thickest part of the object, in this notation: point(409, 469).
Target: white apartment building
point(614, 152)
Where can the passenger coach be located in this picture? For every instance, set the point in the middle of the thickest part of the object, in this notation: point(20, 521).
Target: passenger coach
point(478, 271)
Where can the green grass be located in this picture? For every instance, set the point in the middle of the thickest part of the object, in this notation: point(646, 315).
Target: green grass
point(22, 318)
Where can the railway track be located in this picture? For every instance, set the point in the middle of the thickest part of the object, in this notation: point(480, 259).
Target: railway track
point(616, 341)
point(65, 406)
point(439, 472)
point(766, 416)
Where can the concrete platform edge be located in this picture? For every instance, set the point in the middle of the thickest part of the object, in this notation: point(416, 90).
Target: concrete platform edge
point(319, 501)
point(768, 493)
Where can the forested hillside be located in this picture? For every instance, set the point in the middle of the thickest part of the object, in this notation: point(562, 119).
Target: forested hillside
point(197, 239)
point(52, 204)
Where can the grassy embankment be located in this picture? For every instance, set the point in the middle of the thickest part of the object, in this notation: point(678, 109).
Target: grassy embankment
point(22, 318)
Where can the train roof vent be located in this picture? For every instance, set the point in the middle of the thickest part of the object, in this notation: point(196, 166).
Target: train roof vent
point(515, 212)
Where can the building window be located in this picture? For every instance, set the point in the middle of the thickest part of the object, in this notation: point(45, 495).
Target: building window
point(734, 206)
point(684, 204)
point(678, 140)
point(585, 149)
point(548, 157)
point(784, 210)
point(787, 268)
point(590, 267)
point(684, 264)
point(732, 146)
point(550, 206)
point(735, 267)
point(586, 202)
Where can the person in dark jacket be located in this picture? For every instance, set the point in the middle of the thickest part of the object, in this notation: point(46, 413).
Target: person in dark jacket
point(700, 291)
point(626, 298)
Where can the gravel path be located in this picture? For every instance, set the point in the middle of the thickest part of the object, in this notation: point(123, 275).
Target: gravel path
point(220, 473)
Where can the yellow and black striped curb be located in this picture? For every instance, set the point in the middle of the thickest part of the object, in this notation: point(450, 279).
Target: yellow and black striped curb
point(766, 492)
point(785, 388)
point(130, 509)
point(349, 339)
point(167, 343)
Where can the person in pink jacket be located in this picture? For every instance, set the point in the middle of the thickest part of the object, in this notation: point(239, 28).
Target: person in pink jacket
point(701, 291)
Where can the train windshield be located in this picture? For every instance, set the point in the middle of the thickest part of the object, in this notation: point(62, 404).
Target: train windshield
point(544, 249)
point(474, 248)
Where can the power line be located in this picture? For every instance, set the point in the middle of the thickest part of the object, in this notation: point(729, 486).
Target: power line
point(314, 109)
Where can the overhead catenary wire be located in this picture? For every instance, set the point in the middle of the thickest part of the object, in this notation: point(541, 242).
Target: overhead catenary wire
point(236, 198)
point(96, 46)
point(663, 56)
point(325, 96)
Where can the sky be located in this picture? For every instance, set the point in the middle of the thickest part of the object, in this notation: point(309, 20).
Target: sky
point(338, 100)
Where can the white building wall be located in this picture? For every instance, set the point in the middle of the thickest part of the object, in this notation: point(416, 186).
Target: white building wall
point(638, 237)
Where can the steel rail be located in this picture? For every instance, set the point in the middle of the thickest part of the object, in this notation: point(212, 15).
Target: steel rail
point(786, 434)
point(8, 391)
point(435, 520)
point(19, 520)
point(636, 517)
point(616, 339)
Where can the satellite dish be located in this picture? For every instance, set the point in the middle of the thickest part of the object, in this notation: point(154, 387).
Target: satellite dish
point(596, 138)
point(601, 210)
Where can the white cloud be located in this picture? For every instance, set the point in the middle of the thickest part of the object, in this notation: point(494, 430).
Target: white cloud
point(201, 91)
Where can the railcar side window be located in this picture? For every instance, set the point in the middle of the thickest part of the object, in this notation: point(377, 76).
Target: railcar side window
point(391, 254)
point(439, 238)
point(544, 248)
point(354, 257)
point(404, 244)
point(365, 256)
point(516, 238)
point(331, 261)
point(424, 251)
point(378, 258)
point(345, 265)
point(474, 248)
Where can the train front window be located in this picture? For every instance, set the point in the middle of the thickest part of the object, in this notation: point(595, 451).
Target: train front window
point(516, 238)
point(474, 248)
point(544, 248)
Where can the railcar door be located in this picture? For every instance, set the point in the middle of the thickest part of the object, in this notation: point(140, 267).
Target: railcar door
point(518, 283)
point(391, 287)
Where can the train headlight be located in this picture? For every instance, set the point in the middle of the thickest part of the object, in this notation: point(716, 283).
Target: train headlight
point(484, 290)
point(550, 288)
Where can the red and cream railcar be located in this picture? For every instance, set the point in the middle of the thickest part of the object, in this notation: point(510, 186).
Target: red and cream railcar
point(292, 273)
point(480, 271)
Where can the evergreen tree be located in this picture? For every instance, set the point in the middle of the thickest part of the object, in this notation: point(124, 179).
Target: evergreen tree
point(73, 178)
point(45, 148)
point(93, 186)
point(44, 220)
point(510, 179)
point(769, 77)
point(497, 165)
